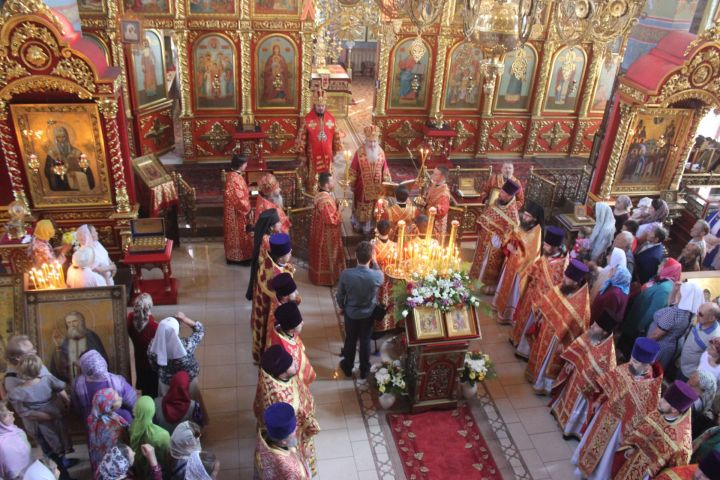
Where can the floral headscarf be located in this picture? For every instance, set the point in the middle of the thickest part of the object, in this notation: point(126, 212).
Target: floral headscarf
point(114, 465)
point(93, 366)
point(620, 279)
point(671, 270)
point(105, 427)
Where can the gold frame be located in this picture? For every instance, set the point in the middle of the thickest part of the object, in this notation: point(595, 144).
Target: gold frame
point(138, 167)
point(496, 93)
point(297, 73)
point(14, 283)
point(195, 42)
point(234, 14)
point(64, 198)
point(150, 105)
point(479, 75)
point(258, 16)
point(168, 14)
point(581, 81)
point(671, 162)
point(426, 81)
point(101, 13)
point(120, 362)
point(140, 31)
point(420, 333)
point(470, 317)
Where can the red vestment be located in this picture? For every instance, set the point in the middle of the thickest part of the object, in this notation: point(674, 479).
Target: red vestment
point(655, 444)
point(395, 213)
point(438, 196)
point(385, 253)
point(238, 242)
point(686, 472)
point(275, 463)
point(295, 347)
point(562, 317)
point(497, 181)
point(584, 363)
point(318, 141)
point(544, 274)
point(365, 179)
point(262, 204)
point(327, 259)
point(500, 220)
point(625, 399)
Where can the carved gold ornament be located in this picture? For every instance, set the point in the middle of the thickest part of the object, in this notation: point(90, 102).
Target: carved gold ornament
point(76, 69)
point(36, 56)
point(554, 136)
point(417, 49)
point(598, 21)
point(507, 135)
point(404, 135)
point(157, 131)
point(519, 67)
point(217, 137)
point(277, 136)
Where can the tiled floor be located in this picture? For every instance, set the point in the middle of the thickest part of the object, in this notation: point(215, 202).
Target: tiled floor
point(348, 446)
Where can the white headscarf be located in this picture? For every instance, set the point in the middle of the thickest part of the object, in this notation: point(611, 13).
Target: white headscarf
point(38, 471)
point(83, 236)
point(167, 345)
point(194, 468)
point(603, 231)
point(85, 239)
point(617, 257)
point(691, 297)
point(84, 258)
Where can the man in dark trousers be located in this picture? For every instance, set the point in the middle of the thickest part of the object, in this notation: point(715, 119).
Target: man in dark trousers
point(357, 297)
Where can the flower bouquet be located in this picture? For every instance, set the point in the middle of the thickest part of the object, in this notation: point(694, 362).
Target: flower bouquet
point(389, 377)
point(432, 290)
point(70, 238)
point(478, 367)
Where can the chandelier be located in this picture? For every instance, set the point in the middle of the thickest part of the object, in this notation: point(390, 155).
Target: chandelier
point(597, 21)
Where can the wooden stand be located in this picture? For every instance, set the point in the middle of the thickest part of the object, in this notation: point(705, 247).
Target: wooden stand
point(163, 292)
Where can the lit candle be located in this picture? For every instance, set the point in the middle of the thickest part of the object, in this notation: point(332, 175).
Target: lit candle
point(431, 221)
point(401, 241)
point(453, 229)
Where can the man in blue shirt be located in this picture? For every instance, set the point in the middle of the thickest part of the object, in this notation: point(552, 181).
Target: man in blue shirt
point(357, 297)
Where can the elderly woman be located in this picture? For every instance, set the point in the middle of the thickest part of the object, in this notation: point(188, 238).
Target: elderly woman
point(657, 213)
point(40, 251)
point(95, 377)
point(142, 328)
point(14, 446)
point(169, 353)
point(603, 232)
point(87, 236)
point(642, 211)
point(185, 441)
point(105, 427)
point(621, 212)
point(81, 274)
point(612, 296)
point(705, 384)
point(117, 464)
point(143, 431)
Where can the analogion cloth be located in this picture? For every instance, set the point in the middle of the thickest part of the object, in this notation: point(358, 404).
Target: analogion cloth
point(327, 258)
point(238, 241)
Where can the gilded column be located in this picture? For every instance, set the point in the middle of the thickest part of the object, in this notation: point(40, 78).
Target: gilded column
point(592, 78)
point(626, 115)
point(542, 81)
point(248, 118)
point(307, 52)
point(382, 73)
point(181, 40)
point(688, 144)
point(12, 161)
point(109, 109)
point(444, 41)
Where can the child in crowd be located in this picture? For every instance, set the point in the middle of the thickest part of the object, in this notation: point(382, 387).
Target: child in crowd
point(582, 243)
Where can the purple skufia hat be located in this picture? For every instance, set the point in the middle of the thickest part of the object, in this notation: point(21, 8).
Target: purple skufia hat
point(288, 316)
point(576, 270)
point(280, 244)
point(680, 396)
point(645, 350)
point(283, 284)
point(554, 236)
point(280, 420)
point(276, 360)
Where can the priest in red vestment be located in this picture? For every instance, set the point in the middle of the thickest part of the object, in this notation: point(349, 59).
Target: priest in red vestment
point(438, 196)
point(497, 180)
point(285, 290)
point(576, 390)
point(327, 258)
point(385, 251)
point(548, 271)
point(236, 199)
point(707, 469)
point(368, 170)
point(276, 453)
point(498, 224)
point(521, 253)
point(629, 393)
point(286, 333)
point(271, 197)
point(563, 314)
point(317, 143)
point(662, 439)
point(400, 210)
point(278, 382)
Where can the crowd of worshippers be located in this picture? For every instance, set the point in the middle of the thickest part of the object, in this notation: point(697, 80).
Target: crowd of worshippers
point(628, 354)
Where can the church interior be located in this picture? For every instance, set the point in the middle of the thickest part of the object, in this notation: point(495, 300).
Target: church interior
point(190, 192)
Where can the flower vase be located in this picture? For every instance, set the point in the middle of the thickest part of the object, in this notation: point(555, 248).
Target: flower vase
point(387, 400)
point(469, 390)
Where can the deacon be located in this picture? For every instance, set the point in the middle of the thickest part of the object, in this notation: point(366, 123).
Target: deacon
point(288, 325)
point(662, 439)
point(708, 469)
point(522, 252)
point(318, 141)
point(576, 389)
point(274, 262)
point(563, 314)
point(385, 251)
point(438, 196)
point(400, 210)
point(368, 171)
point(276, 453)
point(547, 271)
point(327, 258)
point(236, 200)
point(278, 382)
point(271, 197)
point(498, 224)
point(629, 393)
point(496, 181)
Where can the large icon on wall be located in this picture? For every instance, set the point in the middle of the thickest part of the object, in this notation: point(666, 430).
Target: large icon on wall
point(214, 73)
point(565, 80)
point(652, 150)
point(605, 83)
point(276, 66)
point(148, 7)
point(89, 6)
point(275, 7)
point(212, 7)
point(69, 153)
point(464, 80)
point(149, 69)
point(409, 77)
point(514, 93)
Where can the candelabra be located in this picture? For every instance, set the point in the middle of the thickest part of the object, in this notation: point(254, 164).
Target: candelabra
point(48, 276)
point(345, 182)
point(422, 174)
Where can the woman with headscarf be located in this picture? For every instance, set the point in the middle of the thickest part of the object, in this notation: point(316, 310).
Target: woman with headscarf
point(617, 258)
point(641, 211)
point(657, 213)
point(176, 405)
point(266, 224)
point(202, 466)
point(613, 295)
point(671, 323)
point(40, 251)
point(14, 446)
point(81, 274)
point(95, 377)
point(117, 464)
point(621, 211)
point(142, 328)
point(105, 427)
point(603, 232)
point(184, 442)
point(169, 353)
point(144, 431)
point(87, 236)
point(653, 296)
point(42, 469)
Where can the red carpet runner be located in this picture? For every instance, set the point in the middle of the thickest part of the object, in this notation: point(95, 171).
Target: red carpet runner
point(442, 445)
